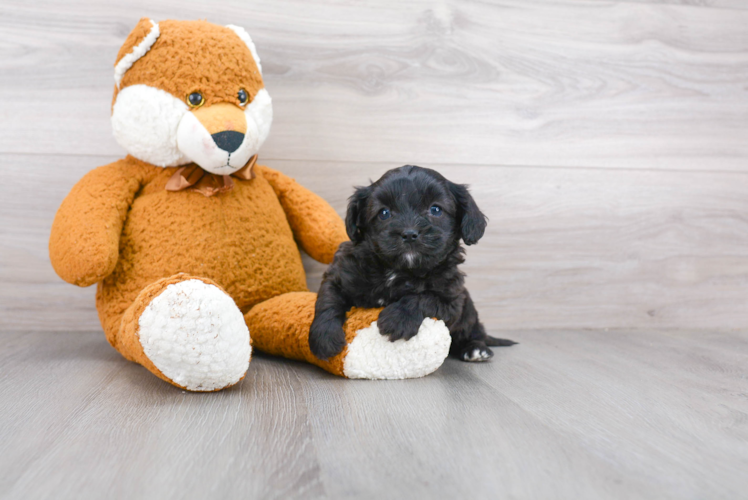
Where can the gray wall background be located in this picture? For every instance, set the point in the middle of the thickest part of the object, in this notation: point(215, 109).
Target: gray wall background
point(606, 140)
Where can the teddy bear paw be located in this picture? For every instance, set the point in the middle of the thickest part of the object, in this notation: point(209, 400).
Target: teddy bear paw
point(196, 336)
point(372, 355)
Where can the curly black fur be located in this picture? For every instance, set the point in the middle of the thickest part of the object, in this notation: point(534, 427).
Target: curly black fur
point(406, 261)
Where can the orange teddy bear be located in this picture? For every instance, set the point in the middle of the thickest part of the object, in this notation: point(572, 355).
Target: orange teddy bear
point(192, 244)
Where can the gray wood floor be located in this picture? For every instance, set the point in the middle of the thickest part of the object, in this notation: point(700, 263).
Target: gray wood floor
point(606, 141)
point(565, 414)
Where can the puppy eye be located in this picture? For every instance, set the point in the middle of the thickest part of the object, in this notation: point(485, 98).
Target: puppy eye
point(243, 96)
point(195, 100)
point(384, 214)
point(436, 211)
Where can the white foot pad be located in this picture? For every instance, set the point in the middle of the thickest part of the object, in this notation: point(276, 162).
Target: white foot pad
point(371, 355)
point(194, 333)
point(477, 355)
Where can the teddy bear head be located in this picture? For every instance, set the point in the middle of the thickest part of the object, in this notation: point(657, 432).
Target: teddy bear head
point(190, 91)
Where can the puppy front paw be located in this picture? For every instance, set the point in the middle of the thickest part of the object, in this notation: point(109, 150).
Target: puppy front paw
point(475, 352)
point(398, 323)
point(326, 338)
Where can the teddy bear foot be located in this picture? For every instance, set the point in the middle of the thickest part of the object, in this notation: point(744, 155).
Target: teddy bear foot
point(189, 332)
point(372, 355)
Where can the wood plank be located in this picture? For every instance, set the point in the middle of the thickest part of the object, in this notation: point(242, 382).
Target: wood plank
point(565, 414)
point(565, 248)
point(516, 82)
point(710, 4)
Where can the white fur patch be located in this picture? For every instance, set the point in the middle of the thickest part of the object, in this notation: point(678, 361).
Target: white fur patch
point(371, 355)
point(391, 276)
point(476, 355)
point(137, 52)
point(145, 121)
point(242, 33)
point(195, 142)
point(194, 333)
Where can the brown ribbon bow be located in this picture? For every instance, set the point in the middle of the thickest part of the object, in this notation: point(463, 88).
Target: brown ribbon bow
point(194, 178)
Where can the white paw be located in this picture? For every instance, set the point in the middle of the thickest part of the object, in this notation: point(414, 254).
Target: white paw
point(194, 333)
point(371, 355)
point(477, 355)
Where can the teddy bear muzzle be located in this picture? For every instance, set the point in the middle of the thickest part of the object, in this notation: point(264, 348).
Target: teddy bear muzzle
point(222, 138)
point(215, 136)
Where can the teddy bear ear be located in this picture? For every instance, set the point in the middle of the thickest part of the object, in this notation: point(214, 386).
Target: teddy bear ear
point(138, 42)
point(242, 33)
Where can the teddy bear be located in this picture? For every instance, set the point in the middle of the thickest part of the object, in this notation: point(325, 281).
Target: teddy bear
point(193, 245)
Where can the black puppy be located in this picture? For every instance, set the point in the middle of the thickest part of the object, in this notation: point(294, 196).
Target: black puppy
point(405, 232)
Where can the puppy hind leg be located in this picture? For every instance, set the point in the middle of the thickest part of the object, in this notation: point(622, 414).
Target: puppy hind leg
point(469, 336)
point(469, 339)
point(475, 351)
point(471, 346)
point(475, 347)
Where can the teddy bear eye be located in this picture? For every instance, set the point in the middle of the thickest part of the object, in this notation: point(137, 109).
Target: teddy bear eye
point(195, 100)
point(384, 214)
point(243, 96)
point(436, 211)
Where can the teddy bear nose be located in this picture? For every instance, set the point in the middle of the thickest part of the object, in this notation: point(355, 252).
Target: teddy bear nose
point(228, 140)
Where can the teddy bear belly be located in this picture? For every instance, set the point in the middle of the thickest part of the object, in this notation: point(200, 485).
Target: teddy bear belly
point(241, 240)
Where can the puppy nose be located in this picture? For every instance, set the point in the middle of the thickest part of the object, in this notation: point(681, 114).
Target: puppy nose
point(410, 235)
point(228, 140)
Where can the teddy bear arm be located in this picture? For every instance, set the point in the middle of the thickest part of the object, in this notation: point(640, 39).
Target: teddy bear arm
point(315, 224)
point(84, 241)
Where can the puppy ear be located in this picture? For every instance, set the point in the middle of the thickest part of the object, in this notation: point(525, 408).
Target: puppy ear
point(355, 217)
point(471, 219)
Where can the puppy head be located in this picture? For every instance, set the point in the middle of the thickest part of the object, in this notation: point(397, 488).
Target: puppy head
point(190, 91)
point(413, 217)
